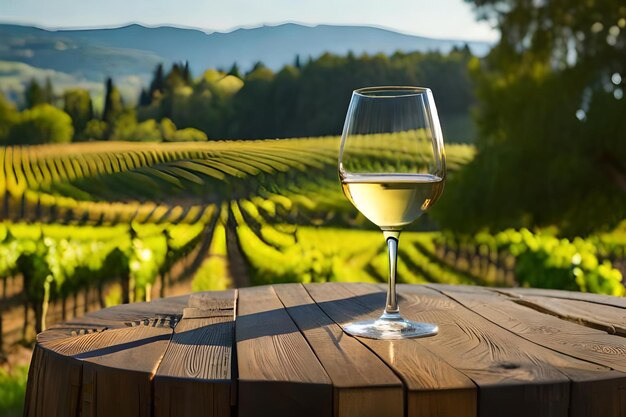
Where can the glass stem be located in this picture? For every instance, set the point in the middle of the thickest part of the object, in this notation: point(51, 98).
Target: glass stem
point(392, 311)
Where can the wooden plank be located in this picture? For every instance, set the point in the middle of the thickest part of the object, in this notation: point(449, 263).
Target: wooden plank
point(163, 312)
point(515, 377)
point(434, 388)
point(194, 377)
point(581, 342)
point(279, 375)
point(118, 359)
point(599, 316)
point(593, 393)
point(363, 385)
point(569, 295)
point(118, 365)
point(54, 385)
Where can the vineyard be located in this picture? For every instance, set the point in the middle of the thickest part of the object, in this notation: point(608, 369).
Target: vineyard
point(89, 225)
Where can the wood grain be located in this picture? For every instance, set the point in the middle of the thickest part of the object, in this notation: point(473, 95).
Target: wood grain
point(279, 375)
point(571, 295)
point(515, 377)
point(194, 377)
point(161, 312)
point(599, 316)
point(363, 385)
point(115, 351)
point(427, 378)
point(593, 393)
point(500, 352)
point(578, 341)
point(54, 385)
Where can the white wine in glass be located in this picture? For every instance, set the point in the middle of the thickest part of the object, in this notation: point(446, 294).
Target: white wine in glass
point(392, 168)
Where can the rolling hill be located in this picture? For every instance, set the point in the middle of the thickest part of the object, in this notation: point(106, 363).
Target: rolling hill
point(135, 50)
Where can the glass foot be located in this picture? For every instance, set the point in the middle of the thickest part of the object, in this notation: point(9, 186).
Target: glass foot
point(389, 329)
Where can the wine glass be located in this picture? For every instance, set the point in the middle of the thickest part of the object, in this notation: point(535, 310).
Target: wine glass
point(392, 168)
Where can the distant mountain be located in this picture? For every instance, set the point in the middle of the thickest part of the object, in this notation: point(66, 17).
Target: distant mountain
point(135, 49)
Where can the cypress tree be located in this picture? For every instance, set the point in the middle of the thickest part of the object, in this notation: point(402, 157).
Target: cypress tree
point(234, 70)
point(174, 78)
point(113, 104)
point(186, 74)
point(144, 98)
point(158, 82)
point(77, 104)
point(48, 92)
point(34, 94)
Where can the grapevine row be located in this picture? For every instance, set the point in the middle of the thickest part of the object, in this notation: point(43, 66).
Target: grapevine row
point(107, 183)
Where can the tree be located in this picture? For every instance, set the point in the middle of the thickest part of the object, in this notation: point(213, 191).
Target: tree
point(95, 130)
point(158, 83)
point(8, 117)
point(42, 124)
point(551, 116)
point(48, 92)
point(254, 105)
point(144, 98)
point(175, 78)
point(310, 101)
point(34, 94)
point(77, 104)
point(256, 67)
point(113, 103)
point(186, 73)
point(124, 126)
point(234, 70)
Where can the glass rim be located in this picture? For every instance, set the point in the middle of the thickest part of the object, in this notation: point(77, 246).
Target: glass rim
point(394, 90)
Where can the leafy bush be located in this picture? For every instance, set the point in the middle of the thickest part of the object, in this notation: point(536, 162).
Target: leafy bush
point(42, 124)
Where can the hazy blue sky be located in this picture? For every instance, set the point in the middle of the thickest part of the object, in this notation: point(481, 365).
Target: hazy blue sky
point(438, 18)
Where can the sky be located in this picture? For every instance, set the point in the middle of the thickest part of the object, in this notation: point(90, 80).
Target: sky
point(451, 19)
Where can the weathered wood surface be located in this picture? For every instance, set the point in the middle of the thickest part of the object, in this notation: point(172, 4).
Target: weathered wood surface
point(433, 386)
point(280, 351)
point(194, 377)
point(363, 384)
point(278, 371)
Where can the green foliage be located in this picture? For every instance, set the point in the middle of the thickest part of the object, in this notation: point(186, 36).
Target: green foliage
point(157, 85)
point(113, 103)
point(42, 124)
point(95, 130)
point(545, 261)
point(77, 104)
point(234, 71)
point(9, 254)
point(303, 100)
point(8, 117)
point(552, 144)
point(170, 134)
point(57, 261)
point(188, 134)
point(213, 274)
point(36, 95)
point(313, 100)
point(12, 391)
point(126, 128)
point(300, 100)
point(146, 257)
point(146, 131)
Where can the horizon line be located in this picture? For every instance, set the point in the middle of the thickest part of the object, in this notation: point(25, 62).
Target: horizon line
point(230, 30)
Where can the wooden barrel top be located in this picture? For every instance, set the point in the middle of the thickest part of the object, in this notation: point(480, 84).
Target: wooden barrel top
point(280, 350)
